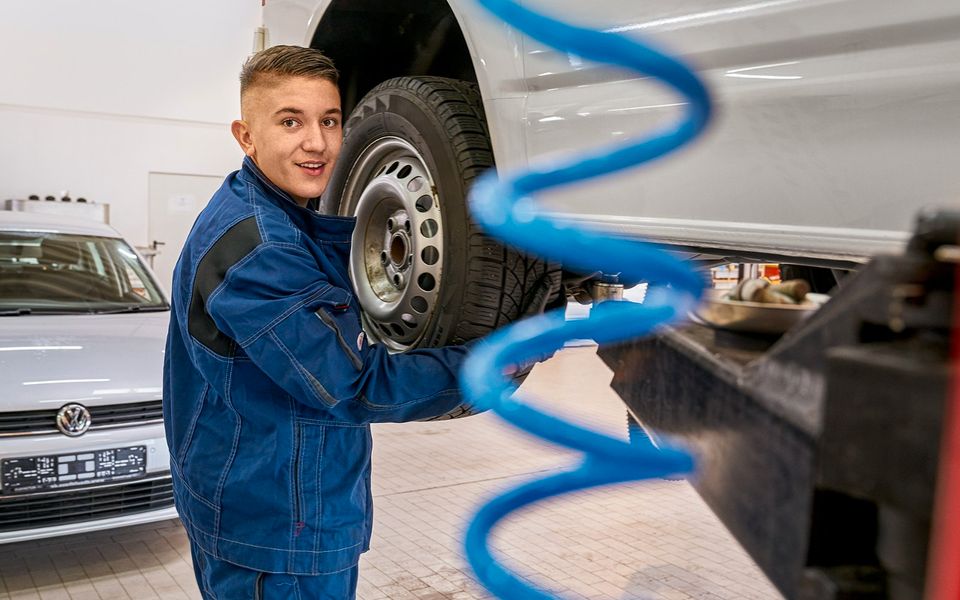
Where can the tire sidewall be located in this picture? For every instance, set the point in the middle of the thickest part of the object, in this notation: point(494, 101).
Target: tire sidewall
point(399, 113)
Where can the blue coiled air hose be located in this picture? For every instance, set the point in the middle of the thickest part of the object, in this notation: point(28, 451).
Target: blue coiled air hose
point(505, 208)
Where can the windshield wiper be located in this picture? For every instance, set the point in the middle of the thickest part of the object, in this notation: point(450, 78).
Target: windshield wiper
point(16, 312)
point(133, 308)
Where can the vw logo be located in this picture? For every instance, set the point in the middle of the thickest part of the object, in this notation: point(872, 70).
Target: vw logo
point(73, 420)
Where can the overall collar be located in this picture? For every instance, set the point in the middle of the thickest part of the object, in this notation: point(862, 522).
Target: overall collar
point(308, 219)
point(251, 167)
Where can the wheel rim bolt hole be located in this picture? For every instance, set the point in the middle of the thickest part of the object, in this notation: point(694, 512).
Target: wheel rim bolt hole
point(430, 255)
point(419, 304)
point(426, 282)
point(429, 228)
point(424, 203)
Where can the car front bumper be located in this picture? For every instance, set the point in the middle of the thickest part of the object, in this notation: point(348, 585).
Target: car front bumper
point(28, 516)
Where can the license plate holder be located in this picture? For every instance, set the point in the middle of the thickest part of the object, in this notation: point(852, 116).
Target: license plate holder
point(34, 474)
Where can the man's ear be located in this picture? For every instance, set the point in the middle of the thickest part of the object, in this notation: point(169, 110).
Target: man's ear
point(241, 131)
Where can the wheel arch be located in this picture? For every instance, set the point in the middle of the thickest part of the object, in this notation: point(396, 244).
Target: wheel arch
point(371, 41)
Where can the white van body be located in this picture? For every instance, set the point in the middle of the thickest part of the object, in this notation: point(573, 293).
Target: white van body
point(837, 120)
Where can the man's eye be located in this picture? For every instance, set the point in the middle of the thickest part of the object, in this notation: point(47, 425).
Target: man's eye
point(330, 122)
point(289, 123)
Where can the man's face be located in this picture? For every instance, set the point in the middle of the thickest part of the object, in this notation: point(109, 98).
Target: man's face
point(292, 129)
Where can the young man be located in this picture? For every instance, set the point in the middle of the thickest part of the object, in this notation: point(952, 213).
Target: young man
point(269, 382)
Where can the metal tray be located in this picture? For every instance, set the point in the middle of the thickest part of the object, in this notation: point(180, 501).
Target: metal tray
point(754, 317)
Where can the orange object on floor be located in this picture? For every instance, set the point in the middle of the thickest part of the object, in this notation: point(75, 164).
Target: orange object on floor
point(943, 574)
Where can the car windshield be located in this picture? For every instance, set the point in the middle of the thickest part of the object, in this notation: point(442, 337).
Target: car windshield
point(60, 273)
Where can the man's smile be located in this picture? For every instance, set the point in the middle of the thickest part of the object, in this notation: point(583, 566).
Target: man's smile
point(312, 168)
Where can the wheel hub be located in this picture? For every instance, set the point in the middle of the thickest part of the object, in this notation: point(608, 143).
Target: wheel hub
point(397, 247)
point(396, 258)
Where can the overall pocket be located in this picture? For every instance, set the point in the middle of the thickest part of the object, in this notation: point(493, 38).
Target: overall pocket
point(336, 309)
point(306, 479)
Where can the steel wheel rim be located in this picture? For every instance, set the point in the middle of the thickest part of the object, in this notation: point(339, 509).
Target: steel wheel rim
point(396, 258)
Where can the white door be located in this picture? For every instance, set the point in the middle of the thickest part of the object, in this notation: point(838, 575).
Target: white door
point(175, 201)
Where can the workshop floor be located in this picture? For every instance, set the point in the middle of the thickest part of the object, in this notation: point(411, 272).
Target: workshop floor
point(646, 540)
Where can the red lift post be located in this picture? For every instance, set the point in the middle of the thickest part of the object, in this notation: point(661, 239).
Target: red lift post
point(944, 574)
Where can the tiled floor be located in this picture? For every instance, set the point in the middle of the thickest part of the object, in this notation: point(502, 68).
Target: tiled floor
point(645, 540)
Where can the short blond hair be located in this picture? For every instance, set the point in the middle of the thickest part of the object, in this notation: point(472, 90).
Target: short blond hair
point(287, 61)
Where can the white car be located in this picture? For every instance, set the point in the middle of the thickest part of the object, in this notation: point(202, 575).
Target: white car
point(82, 331)
point(837, 123)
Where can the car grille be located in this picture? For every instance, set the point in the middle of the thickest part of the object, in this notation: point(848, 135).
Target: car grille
point(39, 422)
point(48, 509)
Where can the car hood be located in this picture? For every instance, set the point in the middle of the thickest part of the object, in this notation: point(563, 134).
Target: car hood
point(47, 361)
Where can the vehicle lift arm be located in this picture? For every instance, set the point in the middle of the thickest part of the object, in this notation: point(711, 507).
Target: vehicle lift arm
point(820, 450)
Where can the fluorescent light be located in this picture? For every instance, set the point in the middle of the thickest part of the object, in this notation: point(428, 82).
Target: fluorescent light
point(741, 76)
point(118, 391)
point(53, 381)
point(740, 72)
point(37, 348)
point(112, 391)
point(769, 66)
point(701, 16)
point(629, 108)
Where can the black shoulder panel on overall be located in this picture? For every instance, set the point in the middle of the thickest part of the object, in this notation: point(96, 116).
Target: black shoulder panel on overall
point(239, 241)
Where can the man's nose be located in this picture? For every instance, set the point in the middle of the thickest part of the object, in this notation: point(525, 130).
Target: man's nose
point(313, 139)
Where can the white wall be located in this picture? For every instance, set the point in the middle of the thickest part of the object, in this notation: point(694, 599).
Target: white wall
point(96, 94)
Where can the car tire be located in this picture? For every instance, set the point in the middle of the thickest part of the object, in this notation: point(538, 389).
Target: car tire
point(424, 274)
